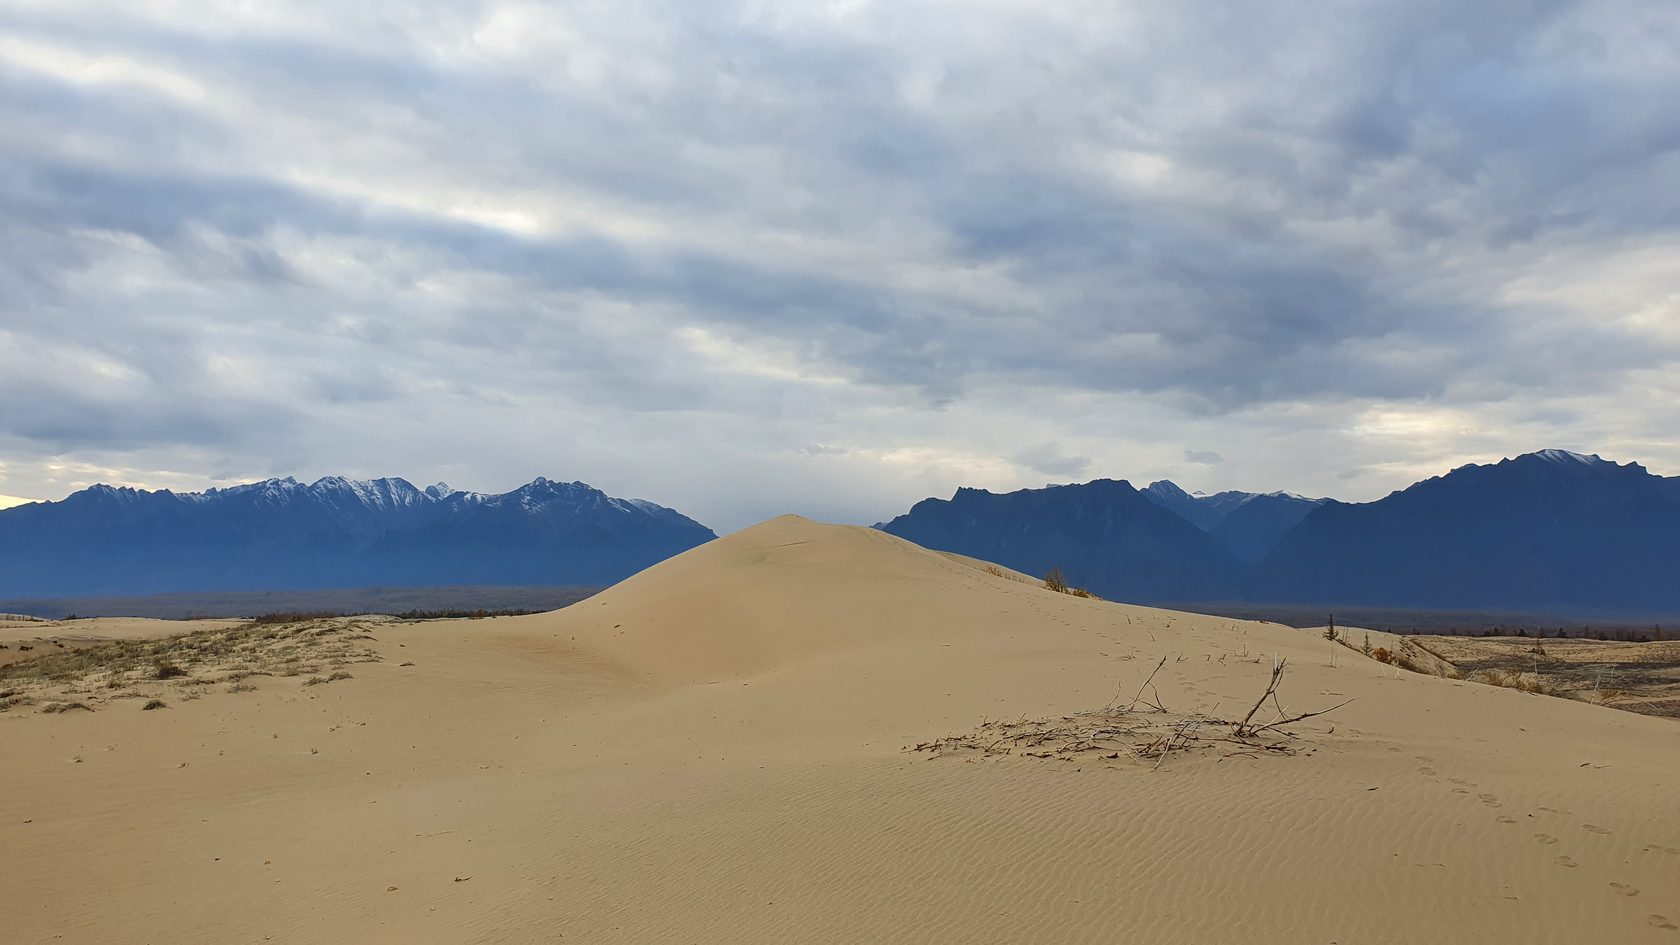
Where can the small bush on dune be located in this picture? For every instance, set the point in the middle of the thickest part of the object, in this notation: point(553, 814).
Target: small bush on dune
point(155, 704)
point(1057, 581)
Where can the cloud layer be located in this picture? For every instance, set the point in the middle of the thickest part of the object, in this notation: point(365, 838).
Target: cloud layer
point(745, 258)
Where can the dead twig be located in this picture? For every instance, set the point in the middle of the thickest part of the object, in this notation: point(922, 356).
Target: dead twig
point(1248, 729)
point(1156, 705)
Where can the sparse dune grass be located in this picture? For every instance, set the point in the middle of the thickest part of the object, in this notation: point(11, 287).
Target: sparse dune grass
point(190, 662)
point(1522, 682)
point(1636, 677)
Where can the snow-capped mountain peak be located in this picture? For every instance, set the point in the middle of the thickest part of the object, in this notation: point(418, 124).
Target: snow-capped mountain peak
point(1567, 458)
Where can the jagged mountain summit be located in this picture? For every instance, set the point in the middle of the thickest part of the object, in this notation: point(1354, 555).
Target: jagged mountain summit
point(1552, 531)
point(1247, 524)
point(280, 534)
point(1105, 535)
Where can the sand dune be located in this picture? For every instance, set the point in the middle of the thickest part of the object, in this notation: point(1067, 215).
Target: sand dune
point(714, 751)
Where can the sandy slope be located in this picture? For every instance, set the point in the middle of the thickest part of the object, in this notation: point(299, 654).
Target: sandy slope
point(712, 752)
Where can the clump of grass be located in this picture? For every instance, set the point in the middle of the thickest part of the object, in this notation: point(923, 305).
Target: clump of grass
point(154, 704)
point(321, 680)
point(12, 699)
point(1522, 682)
point(242, 687)
point(996, 571)
point(166, 669)
point(53, 708)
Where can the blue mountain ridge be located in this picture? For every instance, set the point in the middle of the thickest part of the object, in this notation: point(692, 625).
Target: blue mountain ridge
point(281, 534)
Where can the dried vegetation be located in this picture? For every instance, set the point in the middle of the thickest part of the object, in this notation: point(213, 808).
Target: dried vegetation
point(187, 664)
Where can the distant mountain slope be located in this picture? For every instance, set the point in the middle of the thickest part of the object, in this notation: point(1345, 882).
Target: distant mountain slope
point(281, 534)
point(1551, 529)
point(1247, 524)
point(1256, 526)
point(1547, 532)
point(1105, 535)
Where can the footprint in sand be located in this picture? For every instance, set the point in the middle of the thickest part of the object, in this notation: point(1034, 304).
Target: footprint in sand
point(1462, 781)
point(1505, 820)
point(1659, 848)
point(1491, 800)
point(1427, 771)
point(1595, 829)
point(1623, 889)
point(1661, 922)
point(1565, 862)
point(1553, 810)
point(1545, 838)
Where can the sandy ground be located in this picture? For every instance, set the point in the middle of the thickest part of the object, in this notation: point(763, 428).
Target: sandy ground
point(714, 752)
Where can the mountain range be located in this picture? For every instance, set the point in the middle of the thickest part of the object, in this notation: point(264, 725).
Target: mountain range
point(281, 534)
point(1547, 530)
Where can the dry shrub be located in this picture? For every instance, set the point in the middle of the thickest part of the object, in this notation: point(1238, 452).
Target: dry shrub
point(1057, 581)
point(1522, 682)
point(1383, 654)
point(155, 704)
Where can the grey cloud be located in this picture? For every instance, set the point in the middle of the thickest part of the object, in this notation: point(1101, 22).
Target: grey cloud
point(1049, 459)
point(1163, 209)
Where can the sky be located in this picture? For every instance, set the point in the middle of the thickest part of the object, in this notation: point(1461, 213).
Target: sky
point(832, 258)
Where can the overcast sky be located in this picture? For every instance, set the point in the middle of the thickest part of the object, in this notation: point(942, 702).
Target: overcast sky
point(748, 258)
